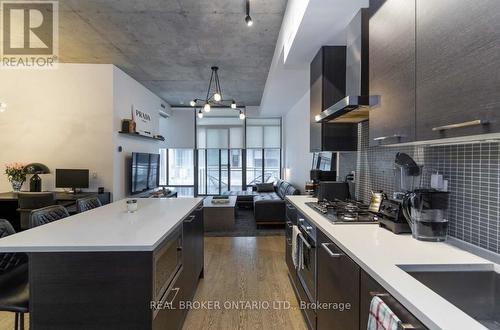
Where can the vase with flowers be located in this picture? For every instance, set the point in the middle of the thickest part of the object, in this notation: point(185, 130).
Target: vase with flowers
point(16, 173)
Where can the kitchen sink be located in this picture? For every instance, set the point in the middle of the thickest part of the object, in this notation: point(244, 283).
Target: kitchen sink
point(475, 292)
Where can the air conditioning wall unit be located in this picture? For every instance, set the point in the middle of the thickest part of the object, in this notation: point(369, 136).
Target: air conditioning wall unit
point(165, 110)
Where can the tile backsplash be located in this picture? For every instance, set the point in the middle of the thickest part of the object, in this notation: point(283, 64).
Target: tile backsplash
point(472, 171)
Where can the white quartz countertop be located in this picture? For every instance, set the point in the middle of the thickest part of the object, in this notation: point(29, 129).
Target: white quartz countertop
point(379, 252)
point(107, 228)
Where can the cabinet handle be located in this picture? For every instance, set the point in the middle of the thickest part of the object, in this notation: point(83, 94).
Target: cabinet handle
point(330, 253)
point(176, 290)
point(190, 219)
point(290, 207)
point(461, 125)
point(308, 246)
point(382, 138)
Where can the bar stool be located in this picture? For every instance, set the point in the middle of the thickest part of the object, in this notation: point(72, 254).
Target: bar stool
point(86, 204)
point(14, 283)
point(47, 214)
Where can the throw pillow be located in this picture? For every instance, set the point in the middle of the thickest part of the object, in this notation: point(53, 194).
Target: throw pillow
point(265, 187)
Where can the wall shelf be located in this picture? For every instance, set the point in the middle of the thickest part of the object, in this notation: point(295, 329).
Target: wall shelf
point(142, 136)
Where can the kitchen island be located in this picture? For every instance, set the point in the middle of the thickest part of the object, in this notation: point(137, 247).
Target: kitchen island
point(106, 268)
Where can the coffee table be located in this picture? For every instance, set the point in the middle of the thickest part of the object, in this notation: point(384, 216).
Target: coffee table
point(219, 217)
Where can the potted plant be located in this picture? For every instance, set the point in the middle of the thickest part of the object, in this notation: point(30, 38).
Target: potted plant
point(16, 173)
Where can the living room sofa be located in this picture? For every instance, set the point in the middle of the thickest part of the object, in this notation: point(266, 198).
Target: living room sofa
point(268, 201)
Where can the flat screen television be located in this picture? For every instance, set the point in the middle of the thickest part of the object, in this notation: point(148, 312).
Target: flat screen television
point(72, 178)
point(145, 172)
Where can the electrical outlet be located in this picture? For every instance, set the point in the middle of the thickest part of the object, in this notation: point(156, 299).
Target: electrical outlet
point(94, 175)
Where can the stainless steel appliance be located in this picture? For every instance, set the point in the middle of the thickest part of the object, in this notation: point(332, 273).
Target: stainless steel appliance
point(343, 212)
point(425, 210)
point(353, 108)
point(390, 216)
point(306, 271)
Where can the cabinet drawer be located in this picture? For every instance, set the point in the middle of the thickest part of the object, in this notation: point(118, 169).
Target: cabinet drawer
point(167, 261)
point(338, 283)
point(368, 288)
point(170, 316)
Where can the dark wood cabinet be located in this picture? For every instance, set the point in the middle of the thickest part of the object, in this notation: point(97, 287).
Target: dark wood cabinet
point(183, 288)
point(392, 71)
point(338, 283)
point(368, 289)
point(193, 252)
point(458, 56)
point(291, 219)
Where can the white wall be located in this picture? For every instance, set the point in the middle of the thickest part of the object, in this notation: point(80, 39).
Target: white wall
point(60, 118)
point(128, 93)
point(179, 129)
point(69, 118)
point(297, 158)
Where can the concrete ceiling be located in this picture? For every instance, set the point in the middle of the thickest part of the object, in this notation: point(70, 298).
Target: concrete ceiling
point(170, 45)
point(308, 25)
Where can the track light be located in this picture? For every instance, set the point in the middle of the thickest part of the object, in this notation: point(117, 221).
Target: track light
point(192, 103)
point(248, 19)
point(200, 114)
point(206, 107)
point(217, 97)
point(242, 115)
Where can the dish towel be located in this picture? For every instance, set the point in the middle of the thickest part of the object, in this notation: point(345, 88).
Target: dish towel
point(295, 246)
point(381, 317)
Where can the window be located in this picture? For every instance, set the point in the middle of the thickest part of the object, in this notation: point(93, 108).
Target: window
point(233, 154)
point(263, 150)
point(220, 152)
point(177, 170)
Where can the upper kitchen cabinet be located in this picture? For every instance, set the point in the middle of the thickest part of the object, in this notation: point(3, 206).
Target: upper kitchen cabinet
point(392, 71)
point(458, 61)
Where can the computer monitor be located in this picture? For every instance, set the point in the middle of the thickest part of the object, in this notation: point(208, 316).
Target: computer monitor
point(72, 178)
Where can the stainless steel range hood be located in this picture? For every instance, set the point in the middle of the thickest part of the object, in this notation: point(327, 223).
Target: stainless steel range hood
point(351, 109)
point(355, 106)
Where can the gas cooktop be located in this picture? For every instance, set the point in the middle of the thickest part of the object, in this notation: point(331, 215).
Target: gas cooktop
point(343, 212)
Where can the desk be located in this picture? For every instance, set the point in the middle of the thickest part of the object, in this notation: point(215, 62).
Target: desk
point(9, 204)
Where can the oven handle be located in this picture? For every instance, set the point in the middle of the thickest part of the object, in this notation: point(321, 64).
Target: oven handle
point(330, 253)
point(308, 246)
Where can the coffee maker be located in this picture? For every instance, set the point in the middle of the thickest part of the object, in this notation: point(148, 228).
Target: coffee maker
point(425, 210)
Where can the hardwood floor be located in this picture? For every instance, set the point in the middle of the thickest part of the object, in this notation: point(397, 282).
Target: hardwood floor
point(7, 321)
point(245, 269)
point(238, 270)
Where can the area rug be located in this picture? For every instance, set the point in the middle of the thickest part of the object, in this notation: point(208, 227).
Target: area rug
point(245, 226)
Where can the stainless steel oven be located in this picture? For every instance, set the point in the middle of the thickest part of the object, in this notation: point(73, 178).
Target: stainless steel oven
point(306, 271)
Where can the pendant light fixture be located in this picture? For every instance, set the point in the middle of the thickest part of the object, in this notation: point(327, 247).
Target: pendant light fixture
point(214, 97)
point(248, 19)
